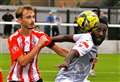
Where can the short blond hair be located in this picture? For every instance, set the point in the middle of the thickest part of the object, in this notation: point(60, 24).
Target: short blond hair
point(19, 11)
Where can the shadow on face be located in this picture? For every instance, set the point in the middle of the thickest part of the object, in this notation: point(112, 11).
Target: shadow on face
point(99, 34)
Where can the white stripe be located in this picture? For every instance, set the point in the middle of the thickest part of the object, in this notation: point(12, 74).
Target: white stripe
point(12, 67)
point(27, 44)
point(35, 72)
point(25, 73)
point(14, 76)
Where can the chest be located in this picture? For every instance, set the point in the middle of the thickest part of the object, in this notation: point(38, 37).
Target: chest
point(27, 43)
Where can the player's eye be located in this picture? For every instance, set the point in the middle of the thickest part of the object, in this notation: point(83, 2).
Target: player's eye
point(28, 17)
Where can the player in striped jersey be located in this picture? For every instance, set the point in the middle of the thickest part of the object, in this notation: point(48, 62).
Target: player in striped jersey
point(24, 46)
point(79, 61)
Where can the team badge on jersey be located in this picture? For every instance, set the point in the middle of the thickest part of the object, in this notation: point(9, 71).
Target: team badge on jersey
point(15, 49)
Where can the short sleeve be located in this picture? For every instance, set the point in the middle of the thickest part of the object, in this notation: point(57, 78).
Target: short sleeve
point(76, 37)
point(39, 34)
point(49, 39)
point(83, 47)
point(15, 50)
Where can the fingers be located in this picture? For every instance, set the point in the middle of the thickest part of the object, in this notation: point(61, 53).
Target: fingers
point(42, 41)
point(63, 67)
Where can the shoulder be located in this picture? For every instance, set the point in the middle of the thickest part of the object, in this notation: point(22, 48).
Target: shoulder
point(85, 38)
point(38, 33)
point(13, 36)
point(81, 36)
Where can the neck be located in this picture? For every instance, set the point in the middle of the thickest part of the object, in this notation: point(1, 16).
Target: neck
point(25, 31)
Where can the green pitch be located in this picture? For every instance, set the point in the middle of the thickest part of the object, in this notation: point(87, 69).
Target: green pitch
point(107, 68)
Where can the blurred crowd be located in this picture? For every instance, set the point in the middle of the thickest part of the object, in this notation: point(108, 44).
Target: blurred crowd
point(52, 17)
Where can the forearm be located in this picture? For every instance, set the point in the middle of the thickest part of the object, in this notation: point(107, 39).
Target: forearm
point(28, 57)
point(63, 38)
point(72, 54)
point(60, 51)
point(67, 61)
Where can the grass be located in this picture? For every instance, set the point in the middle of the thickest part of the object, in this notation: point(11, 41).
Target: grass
point(107, 68)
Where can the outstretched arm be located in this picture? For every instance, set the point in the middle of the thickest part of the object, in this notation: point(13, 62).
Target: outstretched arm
point(63, 38)
point(60, 51)
point(72, 54)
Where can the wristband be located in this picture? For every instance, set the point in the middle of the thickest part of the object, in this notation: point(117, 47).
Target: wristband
point(51, 44)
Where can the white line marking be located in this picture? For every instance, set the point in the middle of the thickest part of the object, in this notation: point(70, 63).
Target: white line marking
point(47, 71)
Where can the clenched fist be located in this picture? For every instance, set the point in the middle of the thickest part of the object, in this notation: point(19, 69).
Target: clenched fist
point(43, 39)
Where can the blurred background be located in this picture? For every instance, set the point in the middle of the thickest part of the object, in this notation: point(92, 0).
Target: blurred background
point(63, 3)
point(65, 11)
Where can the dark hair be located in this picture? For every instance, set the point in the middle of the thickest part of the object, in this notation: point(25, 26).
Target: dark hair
point(19, 11)
point(103, 20)
point(97, 11)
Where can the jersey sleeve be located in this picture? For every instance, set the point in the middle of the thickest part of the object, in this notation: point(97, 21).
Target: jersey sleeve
point(83, 47)
point(76, 37)
point(14, 49)
point(40, 34)
point(49, 40)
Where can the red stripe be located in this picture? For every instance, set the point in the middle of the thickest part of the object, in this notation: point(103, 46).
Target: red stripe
point(31, 42)
point(20, 68)
point(11, 72)
point(21, 74)
point(30, 74)
point(37, 68)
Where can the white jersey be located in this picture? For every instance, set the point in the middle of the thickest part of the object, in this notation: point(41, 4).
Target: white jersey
point(80, 66)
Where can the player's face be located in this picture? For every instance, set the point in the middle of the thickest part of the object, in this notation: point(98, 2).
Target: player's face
point(28, 19)
point(99, 34)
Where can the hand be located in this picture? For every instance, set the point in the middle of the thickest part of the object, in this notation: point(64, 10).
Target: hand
point(63, 66)
point(42, 41)
point(95, 60)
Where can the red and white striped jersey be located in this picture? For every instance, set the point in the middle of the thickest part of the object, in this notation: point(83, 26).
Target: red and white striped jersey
point(19, 44)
